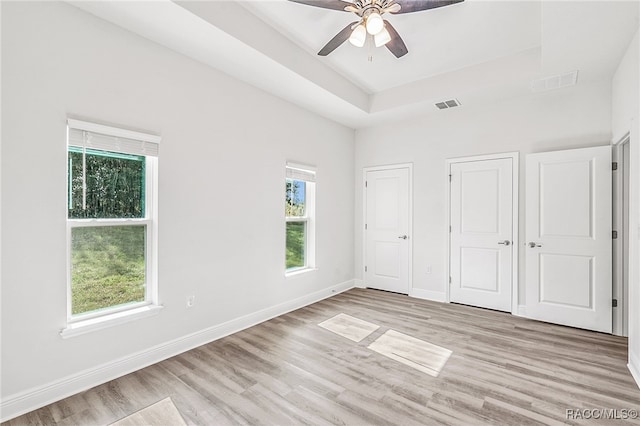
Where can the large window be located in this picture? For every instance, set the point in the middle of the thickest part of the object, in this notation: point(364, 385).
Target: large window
point(300, 217)
point(111, 220)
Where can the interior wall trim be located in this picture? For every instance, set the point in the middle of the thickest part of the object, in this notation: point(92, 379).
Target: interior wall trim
point(522, 311)
point(435, 296)
point(634, 366)
point(37, 397)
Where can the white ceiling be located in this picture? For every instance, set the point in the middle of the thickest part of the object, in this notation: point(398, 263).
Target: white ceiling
point(477, 51)
point(439, 40)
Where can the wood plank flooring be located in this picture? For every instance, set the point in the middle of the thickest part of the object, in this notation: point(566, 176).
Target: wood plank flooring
point(416, 353)
point(289, 371)
point(160, 413)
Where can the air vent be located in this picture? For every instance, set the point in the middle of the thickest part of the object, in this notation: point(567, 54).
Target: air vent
point(448, 104)
point(555, 82)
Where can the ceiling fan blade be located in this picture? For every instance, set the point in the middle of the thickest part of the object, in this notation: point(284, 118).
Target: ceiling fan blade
point(394, 8)
point(395, 45)
point(336, 41)
point(408, 6)
point(325, 4)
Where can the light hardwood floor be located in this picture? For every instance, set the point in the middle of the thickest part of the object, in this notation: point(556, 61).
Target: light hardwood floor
point(503, 370)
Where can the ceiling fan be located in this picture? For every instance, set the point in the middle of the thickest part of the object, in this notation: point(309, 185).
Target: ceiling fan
point(370, 21)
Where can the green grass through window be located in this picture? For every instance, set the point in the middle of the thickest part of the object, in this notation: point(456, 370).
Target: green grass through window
point(107, 267)
point(295, 244)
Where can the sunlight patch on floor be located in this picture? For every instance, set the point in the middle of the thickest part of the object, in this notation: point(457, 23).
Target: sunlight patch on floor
point(163, 412)
point(416, 353)
point(350, 327)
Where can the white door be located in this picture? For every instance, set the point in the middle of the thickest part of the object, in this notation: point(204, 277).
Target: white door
point(568, 237)
point(481, 239)
point(387, 230)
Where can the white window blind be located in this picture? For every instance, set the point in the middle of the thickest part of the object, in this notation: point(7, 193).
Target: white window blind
point(300, 172)
point(96, 136)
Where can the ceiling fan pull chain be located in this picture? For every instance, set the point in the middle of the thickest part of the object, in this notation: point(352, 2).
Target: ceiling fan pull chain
point(369, 48)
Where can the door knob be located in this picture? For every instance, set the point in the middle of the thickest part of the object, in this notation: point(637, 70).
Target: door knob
point(403, 237)
point(534, 245)
point(505, 242)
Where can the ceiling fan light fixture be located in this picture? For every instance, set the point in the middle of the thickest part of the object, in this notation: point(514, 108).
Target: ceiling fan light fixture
point(382, 38)
point(358, 36)
point(374, 23)
point(370, 22)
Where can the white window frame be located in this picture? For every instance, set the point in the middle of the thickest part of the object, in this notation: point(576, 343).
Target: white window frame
point(94, 320)
point(309, 218)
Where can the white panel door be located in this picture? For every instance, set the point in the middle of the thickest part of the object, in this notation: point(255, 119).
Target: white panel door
point(481, 233)
point(568, 237)
point(387, 230)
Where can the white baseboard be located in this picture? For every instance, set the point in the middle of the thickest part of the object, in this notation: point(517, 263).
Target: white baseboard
point(521, 311)
point(358, 283)
point(436, 296)
point(34, 398)
point(634, 366)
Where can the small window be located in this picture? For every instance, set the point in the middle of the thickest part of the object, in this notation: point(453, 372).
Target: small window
point(111, 220)
point(300, 217)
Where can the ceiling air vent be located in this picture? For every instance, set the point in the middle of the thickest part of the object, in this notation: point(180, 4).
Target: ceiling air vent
point(555, 82)
point(448, 104)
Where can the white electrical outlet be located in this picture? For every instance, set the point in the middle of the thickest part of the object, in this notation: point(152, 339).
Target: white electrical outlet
point(191, 300)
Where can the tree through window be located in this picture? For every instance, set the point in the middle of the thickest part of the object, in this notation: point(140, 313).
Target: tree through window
point(299, 214)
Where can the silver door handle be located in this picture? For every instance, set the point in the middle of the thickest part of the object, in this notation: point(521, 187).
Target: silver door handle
point(505, 242)
point(534, 245)
point(403, 237)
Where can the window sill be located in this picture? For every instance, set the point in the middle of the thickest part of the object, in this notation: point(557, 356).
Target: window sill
point(300, 271)
point(93, 324)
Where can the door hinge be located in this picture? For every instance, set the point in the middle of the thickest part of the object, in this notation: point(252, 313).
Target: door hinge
point(614, 235)
point(365, 183)
point(615, 303)
point(614, 165)
point(365, 269)
point(449, 228)
point(449, 279)
point(365, 226)
point(450, 176)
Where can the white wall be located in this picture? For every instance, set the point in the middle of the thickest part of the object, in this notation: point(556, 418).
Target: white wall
point(625, 118)
point(566, 118)
point(221, 199)
point(625, 91)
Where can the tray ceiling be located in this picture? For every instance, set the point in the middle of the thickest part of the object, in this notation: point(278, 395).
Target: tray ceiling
point(477, 51)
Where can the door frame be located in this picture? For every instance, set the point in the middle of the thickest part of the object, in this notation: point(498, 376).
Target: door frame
point(515, 163)
point(621, 314)
point(364, 217)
